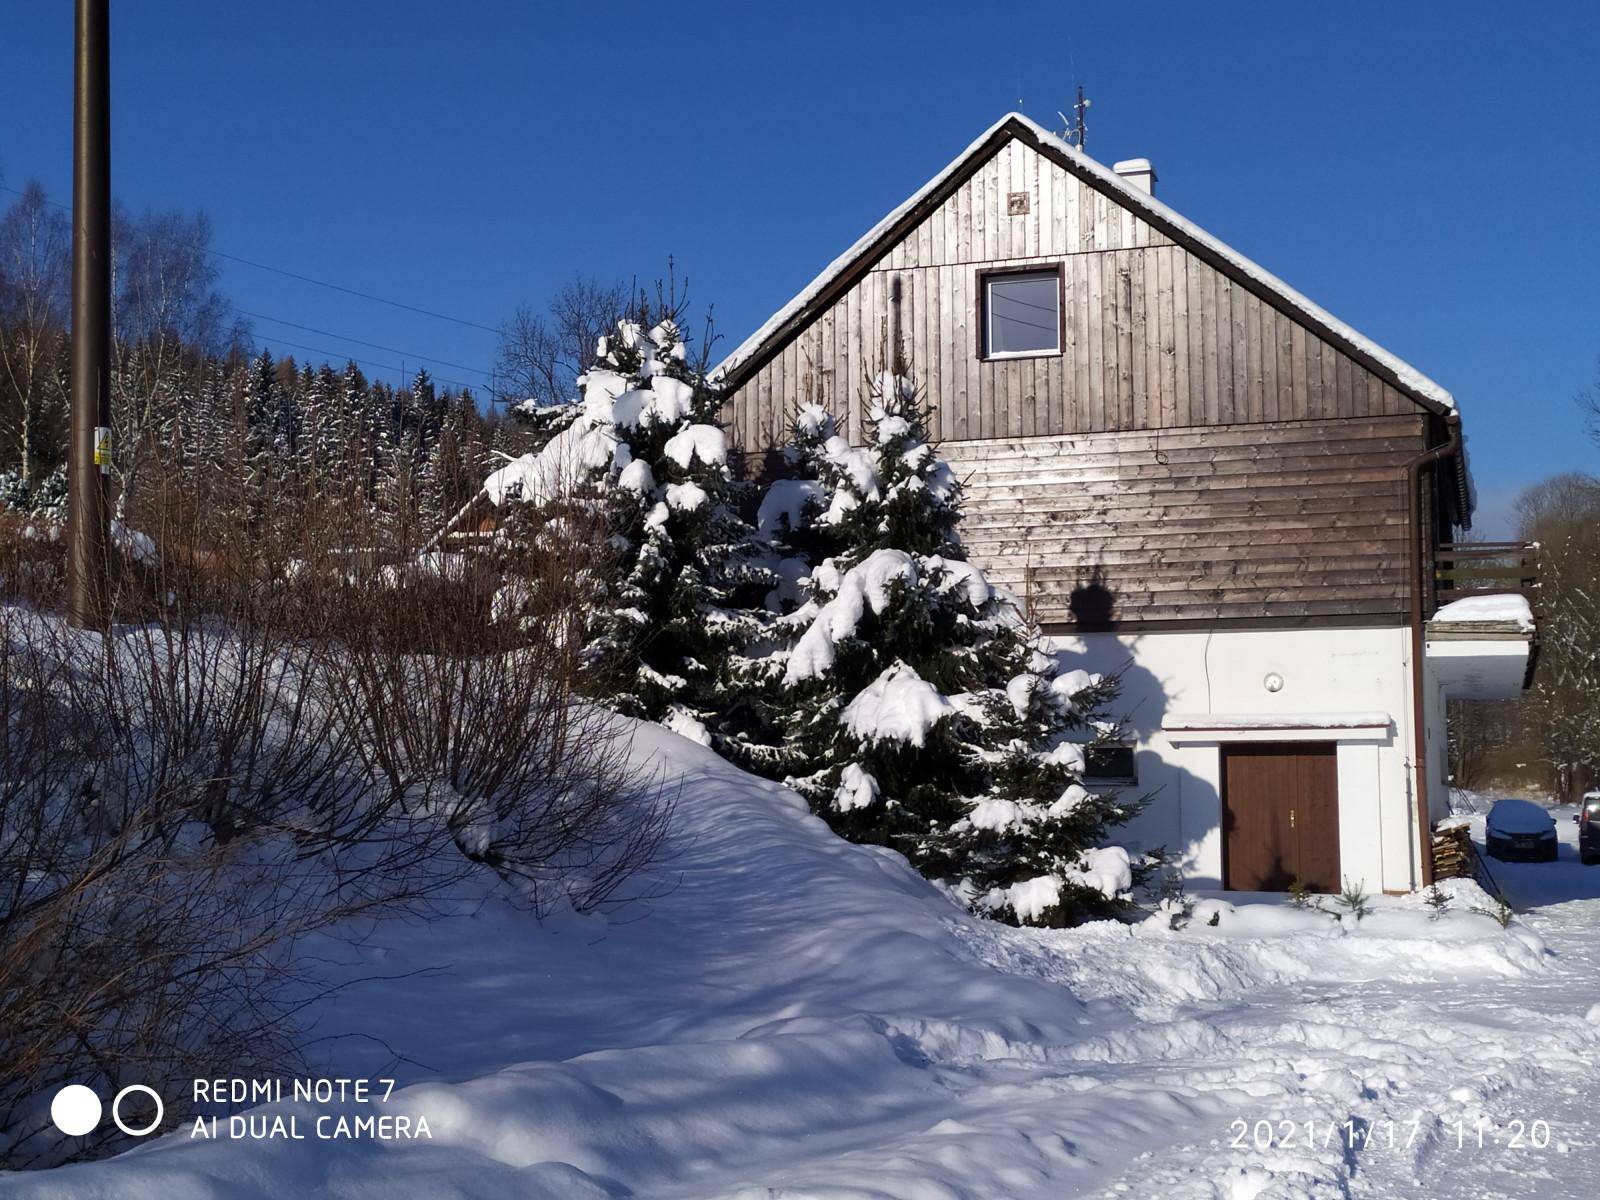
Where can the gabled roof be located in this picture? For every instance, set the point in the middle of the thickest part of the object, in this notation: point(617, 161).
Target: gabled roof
point(843, 272)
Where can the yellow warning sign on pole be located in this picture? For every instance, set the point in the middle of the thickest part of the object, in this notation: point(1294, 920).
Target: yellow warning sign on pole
point(102, 449)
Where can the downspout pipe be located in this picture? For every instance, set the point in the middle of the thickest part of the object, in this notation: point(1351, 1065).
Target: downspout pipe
point(1419, 732)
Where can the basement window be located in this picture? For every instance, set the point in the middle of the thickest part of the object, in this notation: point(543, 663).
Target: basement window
point(1109, 764)
point(1022, 314)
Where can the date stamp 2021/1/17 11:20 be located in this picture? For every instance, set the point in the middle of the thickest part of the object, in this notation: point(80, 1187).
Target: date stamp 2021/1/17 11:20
point(1359, 1134)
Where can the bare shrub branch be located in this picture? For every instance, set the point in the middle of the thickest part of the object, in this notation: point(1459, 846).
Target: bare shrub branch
point(296, 720)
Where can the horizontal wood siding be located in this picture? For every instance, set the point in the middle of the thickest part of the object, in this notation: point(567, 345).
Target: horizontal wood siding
point(1270, 520)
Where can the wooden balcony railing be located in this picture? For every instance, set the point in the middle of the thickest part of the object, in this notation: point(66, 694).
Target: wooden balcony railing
point(1463, 568)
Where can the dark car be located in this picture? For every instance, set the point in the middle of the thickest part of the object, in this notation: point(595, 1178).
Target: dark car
point(1520, 831)
point(1588, 820)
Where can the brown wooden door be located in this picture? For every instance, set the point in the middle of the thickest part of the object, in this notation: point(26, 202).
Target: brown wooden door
point(1280, 816)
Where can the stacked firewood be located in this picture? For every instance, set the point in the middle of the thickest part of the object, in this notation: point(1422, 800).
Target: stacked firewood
point(1454, 855)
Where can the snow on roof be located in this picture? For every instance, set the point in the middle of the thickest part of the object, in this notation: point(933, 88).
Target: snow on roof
point(1491, 608)
point(1188, 722)
point(1408, 377)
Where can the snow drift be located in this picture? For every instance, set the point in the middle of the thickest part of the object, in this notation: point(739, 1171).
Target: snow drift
point(796, 1013)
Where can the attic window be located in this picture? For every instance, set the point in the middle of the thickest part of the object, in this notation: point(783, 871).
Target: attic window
point(1021, 314)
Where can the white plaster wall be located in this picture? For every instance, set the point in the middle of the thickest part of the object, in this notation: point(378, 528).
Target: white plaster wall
point(1221, 674)
point(1435, 714)
point(1484, 668)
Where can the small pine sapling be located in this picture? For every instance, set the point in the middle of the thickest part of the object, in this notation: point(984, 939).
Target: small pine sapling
point(1502, 910)
point(1353, 898)
point(1172, 898)
point(1438, 903)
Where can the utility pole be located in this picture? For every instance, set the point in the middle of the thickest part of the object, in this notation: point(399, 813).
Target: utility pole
point(89, 452)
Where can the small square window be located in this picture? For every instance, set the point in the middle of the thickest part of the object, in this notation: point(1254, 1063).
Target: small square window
point(1022, 314)
point(1109, 764)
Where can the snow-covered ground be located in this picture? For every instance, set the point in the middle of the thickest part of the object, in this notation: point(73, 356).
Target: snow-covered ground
point(799, 1017)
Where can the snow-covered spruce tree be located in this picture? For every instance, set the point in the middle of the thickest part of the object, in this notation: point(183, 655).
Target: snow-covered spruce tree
point(683, 584)
point(540, 423)
point(323, 432)
point(268, 424)
point(47, 499)
point(790, 519)
point(922, 713)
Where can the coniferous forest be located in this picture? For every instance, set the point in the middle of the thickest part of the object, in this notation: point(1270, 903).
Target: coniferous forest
point(191, 388)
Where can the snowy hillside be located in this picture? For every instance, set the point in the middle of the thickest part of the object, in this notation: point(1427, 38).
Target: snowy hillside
point(802, 1017)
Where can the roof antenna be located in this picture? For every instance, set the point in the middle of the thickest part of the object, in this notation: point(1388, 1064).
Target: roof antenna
point(1076, 132)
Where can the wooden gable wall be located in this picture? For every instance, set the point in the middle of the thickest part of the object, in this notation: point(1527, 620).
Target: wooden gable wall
point(1156, 338)
point(1195, 449)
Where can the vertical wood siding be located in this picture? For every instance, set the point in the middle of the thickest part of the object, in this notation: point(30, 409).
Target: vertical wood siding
point(1156, 338)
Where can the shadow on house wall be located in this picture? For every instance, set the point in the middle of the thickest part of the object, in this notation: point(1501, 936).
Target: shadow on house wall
point(1182, 810)
point(1093, 604)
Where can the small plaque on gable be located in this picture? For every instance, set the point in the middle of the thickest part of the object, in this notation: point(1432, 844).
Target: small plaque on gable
point(1017, 204)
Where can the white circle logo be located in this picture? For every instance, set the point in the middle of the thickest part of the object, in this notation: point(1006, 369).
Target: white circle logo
point(116, 1110)
point(75, 1110)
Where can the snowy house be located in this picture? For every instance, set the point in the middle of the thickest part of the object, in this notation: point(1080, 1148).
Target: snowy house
point(1190, 472)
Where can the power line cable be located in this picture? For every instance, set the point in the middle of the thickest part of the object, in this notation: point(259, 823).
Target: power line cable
point(399, 371)
point(353, 292)
point(260, 266)
point(343, 337)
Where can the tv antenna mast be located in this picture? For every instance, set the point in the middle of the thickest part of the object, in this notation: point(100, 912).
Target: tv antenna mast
point(1076, 132)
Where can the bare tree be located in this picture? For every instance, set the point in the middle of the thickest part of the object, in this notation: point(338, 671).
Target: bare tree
point(1589, 402)
point(1562, 514)
point(541, 355)
point(166, 281)
point(168, 316)
point(35, 257)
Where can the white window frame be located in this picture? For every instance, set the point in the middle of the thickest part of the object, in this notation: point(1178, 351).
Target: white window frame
point(989, 279)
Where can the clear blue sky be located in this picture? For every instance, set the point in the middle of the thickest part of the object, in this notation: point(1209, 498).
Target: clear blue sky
point(1425, 171)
